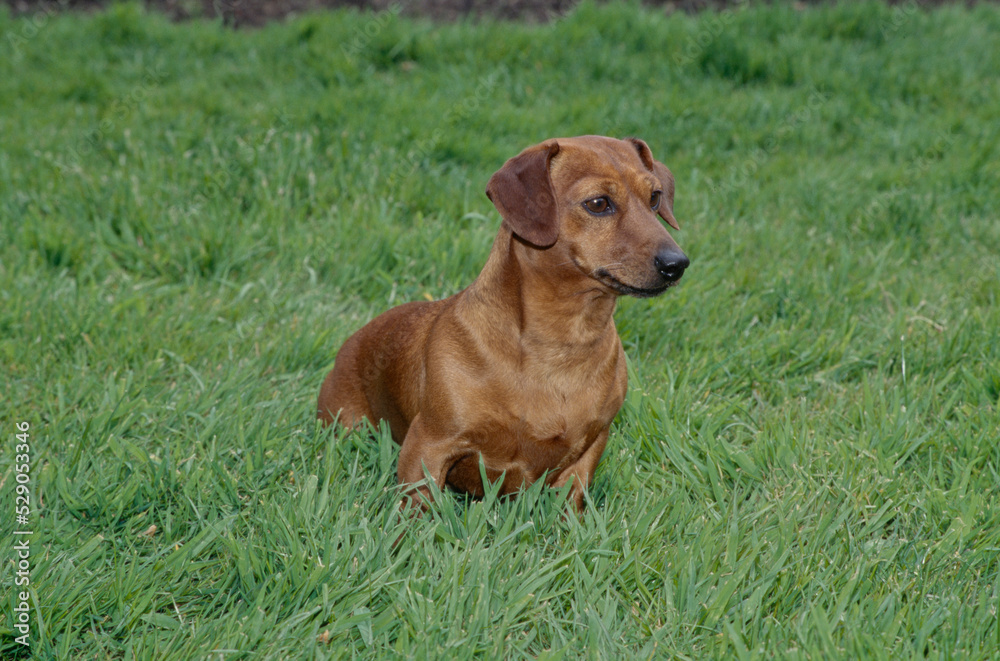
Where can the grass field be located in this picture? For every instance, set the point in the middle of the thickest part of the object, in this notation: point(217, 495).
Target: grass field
point(194, 219)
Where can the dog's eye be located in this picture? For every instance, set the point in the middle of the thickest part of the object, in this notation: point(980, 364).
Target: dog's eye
point(654, 200)
point(599, 206)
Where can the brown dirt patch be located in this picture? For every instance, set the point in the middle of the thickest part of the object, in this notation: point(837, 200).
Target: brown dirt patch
point(258, 12)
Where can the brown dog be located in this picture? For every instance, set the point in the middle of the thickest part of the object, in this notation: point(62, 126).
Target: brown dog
point(523, 369)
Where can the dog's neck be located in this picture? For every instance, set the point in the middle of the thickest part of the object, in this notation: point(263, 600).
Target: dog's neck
point(542, 294)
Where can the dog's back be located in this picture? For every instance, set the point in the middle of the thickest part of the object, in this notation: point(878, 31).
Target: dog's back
point(378, 374)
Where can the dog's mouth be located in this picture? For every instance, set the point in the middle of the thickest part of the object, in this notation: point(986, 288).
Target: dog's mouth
point(604, 277)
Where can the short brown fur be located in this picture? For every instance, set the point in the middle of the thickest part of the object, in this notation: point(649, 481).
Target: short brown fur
point(523, 368)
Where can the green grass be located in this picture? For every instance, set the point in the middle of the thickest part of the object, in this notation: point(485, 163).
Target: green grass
point(192, 220)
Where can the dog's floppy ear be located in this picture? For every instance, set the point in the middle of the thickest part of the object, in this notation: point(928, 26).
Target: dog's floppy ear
point(522, 192)
point(661, 172)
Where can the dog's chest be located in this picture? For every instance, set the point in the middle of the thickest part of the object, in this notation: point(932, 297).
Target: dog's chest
point(528, 412)
point(532, 428)
point(522, 449)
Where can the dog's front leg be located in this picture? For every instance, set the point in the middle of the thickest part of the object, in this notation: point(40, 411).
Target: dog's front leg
point(423, 450)
point(582, 471)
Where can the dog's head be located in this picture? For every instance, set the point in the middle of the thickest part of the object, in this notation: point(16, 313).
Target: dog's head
point(593, 201)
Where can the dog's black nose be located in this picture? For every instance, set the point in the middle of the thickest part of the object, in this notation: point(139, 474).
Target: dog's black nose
point(671, 264)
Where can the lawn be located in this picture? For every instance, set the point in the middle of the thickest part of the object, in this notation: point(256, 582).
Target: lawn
point(193, 219)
